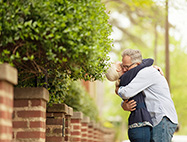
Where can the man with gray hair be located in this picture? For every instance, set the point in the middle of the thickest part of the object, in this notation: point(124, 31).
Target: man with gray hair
point(157, 96)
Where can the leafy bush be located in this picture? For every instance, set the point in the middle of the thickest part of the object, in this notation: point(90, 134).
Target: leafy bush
point(61, 39)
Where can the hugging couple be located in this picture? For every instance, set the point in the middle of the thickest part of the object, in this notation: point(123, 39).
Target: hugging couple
point(145, 92)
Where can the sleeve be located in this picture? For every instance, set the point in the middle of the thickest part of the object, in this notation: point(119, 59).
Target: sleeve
point(127, 77)
point(139, 83)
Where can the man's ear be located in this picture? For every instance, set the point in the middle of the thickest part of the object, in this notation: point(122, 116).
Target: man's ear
point(138, 63)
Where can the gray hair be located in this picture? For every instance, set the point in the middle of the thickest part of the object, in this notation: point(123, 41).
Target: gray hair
point(135, 55)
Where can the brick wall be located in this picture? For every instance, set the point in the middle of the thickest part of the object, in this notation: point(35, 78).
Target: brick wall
point(76, 126)
point(68, 124)
point(8, 78)
point(29, 117)
point(84, 129)
point(25, 121)
point(91, 131)
point(56, 122)
point(95, 132)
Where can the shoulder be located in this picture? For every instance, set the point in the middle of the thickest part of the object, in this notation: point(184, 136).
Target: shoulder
point(151, 68)
point(148, 71)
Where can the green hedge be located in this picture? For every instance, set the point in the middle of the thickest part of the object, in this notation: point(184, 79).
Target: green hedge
point(61, 39)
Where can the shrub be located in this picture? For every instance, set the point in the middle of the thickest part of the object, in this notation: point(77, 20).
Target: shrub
point(59, 39)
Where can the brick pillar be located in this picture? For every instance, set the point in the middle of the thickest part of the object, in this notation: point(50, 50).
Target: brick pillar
point(8, 78)
point(91, 131)
point(84, 129)
point(68, 125)
point(29, 120)
point(56, 123)
point(76, 126)
point(95, 132)
point(100, 134)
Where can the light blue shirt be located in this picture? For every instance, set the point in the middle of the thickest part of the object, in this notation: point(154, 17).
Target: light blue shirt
point(158, 98)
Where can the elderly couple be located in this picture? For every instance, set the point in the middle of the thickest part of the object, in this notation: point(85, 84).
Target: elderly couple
point(145, 92)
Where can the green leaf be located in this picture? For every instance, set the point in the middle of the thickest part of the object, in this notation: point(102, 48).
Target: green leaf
point(25, 59)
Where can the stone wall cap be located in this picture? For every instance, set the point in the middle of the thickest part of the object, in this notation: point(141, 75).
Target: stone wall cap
point(85, 119)
point(8, 73)
point(70, 111)
point(58, 108)
point(77, 115)
point(91, 123)
point(31, 93)
point(96, 126)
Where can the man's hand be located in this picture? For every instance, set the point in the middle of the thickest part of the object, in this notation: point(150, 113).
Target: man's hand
point(129, 106)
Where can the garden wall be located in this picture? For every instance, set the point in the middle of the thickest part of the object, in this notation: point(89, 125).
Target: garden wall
point(25, 117)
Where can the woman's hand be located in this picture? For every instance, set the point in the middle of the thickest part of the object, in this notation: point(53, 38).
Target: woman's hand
point(159, 69)
point(117, 86)
point(116, 89)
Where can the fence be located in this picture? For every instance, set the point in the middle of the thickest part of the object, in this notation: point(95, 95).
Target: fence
point(29, 120)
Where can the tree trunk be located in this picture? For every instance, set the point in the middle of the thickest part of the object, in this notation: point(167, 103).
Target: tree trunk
point(167, 45)
point(156, 41)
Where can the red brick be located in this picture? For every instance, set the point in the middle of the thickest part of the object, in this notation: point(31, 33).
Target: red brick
point(52, 121)
point(21, 103)
point(75, 120)
point(5, 115)
point(84, 124)
point(20, 124)
point(7, 87)
point(76, 127)
point(59, 115)
point(84, 135)
point(38, 103)
point(76, 139)
point(84, 130)
point(84, 140)
point(37, 124)
point(5, 129)
point(54, 139)
point(6, 101)
point(26, 114)
point(29, 134)
point(76, 133)
point(4, 140)
point(67, 138)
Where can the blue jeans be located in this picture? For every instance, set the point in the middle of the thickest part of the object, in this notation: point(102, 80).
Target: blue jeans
point(163, 132)
point(140, 134)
